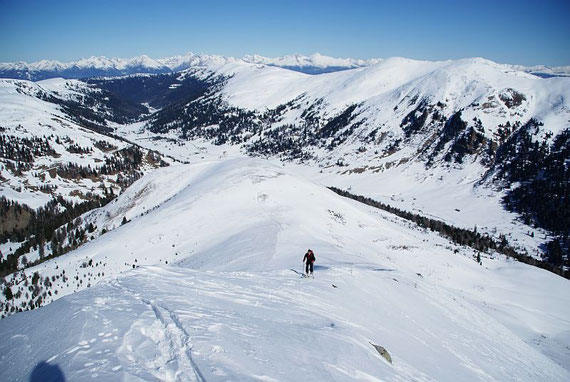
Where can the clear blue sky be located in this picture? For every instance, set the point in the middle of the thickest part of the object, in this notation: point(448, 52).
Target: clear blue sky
point(525, 32)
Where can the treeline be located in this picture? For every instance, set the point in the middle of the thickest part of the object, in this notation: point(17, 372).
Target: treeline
point(74, 148)
point(24, 149)
point(158, 90)
point(36, 228)
point(280, 140)
point(99, 105)
point(461, 236)
point(122, 161)
point(18, 168)
point(543, 175)
point(211, 118)
point(35, 289)
point(55, 224)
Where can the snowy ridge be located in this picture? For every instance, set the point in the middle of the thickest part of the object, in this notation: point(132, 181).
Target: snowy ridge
point(174, 63)
point(231, 305)
point(387, 91)
point(315, 59)
point(314, 64)
point(103, 66)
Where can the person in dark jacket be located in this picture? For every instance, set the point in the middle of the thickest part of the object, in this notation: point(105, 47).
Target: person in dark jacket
point(309, 259)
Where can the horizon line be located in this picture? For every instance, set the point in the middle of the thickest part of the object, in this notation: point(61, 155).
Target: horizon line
point(190, 53)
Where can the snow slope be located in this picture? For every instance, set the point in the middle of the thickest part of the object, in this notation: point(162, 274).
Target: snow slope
point(26, 113)
point(216, 293)
point(385, 94)
point(392, 88)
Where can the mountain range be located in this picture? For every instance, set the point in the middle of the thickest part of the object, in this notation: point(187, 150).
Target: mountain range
point(103, 66)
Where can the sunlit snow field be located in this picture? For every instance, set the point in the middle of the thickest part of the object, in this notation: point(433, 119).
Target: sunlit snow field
point(216, 292)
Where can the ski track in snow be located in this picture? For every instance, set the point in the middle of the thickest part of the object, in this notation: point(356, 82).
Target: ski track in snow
point(181, 324)
point(176, 352)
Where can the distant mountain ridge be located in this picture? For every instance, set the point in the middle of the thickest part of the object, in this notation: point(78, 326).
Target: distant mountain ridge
point(102, 66)
point(316, 63)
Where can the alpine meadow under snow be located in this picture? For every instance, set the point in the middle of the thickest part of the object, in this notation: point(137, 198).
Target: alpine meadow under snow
point(156, 212)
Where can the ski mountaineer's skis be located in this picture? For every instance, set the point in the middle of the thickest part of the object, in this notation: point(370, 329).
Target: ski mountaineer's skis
point(302, 274)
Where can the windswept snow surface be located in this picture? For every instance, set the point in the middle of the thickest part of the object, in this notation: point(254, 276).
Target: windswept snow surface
point(231, 304)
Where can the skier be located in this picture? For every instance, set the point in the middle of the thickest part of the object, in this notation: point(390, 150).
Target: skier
point(309, 259)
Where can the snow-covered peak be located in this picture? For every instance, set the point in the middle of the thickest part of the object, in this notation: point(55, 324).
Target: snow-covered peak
point(268, 86)
point(143, 61)
point(97, 62)
point(104, 66)
point(49, 65)
point(176, 63)
point(13, 65)
point(307, 63)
